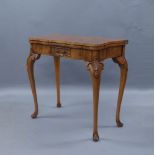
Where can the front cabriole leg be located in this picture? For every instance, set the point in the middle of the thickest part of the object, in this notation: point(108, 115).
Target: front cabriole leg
point(30, 70)
point(95, 69)
point(122, 62)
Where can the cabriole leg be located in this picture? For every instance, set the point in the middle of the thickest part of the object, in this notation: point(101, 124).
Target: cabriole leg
point(30, 70)
point(95, 69)
point(122, 62)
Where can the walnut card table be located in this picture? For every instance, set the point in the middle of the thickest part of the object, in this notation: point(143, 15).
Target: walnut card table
point(92, 50)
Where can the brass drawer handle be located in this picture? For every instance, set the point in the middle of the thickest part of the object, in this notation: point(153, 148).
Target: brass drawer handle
point(58, 51)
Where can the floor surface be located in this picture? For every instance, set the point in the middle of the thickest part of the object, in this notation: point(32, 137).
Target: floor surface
point(68, 130)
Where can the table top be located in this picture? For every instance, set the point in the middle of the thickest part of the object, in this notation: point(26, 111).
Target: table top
point(76, 40)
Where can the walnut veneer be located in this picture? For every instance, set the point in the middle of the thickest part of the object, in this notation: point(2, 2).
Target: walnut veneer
point(92, 50)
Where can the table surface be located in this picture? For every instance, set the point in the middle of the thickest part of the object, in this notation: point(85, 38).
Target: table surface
point(76, 40)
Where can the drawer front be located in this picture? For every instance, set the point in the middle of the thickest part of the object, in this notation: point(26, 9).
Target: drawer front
point(57, 51)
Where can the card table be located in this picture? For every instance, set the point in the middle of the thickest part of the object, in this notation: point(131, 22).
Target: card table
point(93, 50)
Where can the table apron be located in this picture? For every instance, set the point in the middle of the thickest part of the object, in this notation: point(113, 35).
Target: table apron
point(79, 54)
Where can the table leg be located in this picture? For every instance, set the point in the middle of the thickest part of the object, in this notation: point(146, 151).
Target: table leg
point(122, 62)
point(57, 76)
point(30, 65)
point(95, 69)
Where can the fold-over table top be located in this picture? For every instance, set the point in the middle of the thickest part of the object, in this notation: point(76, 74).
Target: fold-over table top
point(82, 41)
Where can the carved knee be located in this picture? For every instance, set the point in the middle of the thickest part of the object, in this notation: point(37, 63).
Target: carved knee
point(95, 68)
